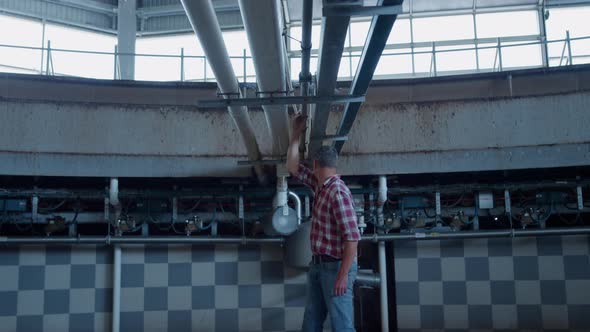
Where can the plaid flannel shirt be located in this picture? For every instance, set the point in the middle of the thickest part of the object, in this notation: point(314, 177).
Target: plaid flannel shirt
point(333, 216)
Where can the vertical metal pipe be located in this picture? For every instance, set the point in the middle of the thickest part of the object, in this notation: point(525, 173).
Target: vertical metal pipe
point(115, 63)
point(34, 208)
point(305, 74)
point(383, 289)
point(569, 48)
point(114, 191)
point(412, 42)
point(500, 55)
point(543, 30)
point(204, 69)
point(42, 46)
point(306, 27)
point(382, 259)
point(245, 64)
point(434, 57)
point(116, 289)
point(48, 57)
point(475, 40)
point(182, 64)
point(126, 36)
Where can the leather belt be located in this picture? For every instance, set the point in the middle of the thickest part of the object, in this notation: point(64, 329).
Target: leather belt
point(317, 259)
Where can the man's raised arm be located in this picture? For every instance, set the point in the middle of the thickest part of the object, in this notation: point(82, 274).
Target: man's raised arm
point(299, 124)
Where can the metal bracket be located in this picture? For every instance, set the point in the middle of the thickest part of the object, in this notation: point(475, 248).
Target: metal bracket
point(580, 198)
point(174, 209)
point(438, 205)
point(261, 162)
point(273, 93)
point(330, 138)
point(507, 206)
point(34, 208)
point(229, 95)
point(289, 100)
point(362, 11)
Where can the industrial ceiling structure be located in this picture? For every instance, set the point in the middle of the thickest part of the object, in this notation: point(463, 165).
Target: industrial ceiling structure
point(168, 16)
point(477, 156)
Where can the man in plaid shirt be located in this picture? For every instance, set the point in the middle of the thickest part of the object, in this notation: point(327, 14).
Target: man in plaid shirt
point(334, 238)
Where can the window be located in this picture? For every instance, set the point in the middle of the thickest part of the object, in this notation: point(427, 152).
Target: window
point(357, 32)
point(154, 68)
point(400, 33)
point(18, 59)
point(506, 24)
point(394, 62)
point(295, 34)
point(455, 58)
point(574, 20)
point(236, 42)
point(520, 56)
point(443, 28)
point(423, 60)
point(81, 64)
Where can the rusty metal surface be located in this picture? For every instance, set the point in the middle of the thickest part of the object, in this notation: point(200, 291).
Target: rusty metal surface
point(72, 127)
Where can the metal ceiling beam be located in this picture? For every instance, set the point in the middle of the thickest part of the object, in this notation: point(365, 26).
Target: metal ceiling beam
point(290, 100)
point(89, 5)
point(173, 10)
point(363, 11)
point(332, 40)
point(374, 45)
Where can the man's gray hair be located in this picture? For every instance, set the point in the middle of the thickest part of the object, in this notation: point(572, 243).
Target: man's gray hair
point(326, 156)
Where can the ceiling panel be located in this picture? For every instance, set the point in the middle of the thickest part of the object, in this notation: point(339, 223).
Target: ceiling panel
point(429, 6)
point(295, 6)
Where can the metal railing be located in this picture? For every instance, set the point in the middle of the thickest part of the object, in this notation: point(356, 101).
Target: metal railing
point(568, 57)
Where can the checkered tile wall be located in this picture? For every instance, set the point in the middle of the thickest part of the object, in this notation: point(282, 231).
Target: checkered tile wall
point(494, 284)
point(164, 288)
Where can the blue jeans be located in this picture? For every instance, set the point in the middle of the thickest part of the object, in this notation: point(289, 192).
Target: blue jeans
point(321, 301)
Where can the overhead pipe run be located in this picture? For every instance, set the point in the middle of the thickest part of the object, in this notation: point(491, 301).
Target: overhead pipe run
point(262, 22)
point(203, 19)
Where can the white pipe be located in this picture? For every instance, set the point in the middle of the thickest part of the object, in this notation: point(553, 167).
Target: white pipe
point(297, 205)
point(368, 278)
point(382, 190)
point(262, 22)
point(382, 258)
point(383, 288)
point(114, 192)
point(116, 289)
point(281, 198)
point(203, 19)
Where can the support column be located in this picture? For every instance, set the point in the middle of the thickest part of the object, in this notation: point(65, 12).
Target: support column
point(126, 31)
